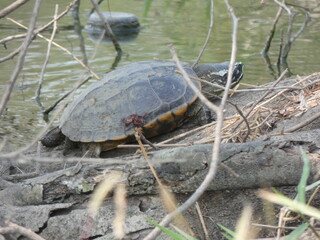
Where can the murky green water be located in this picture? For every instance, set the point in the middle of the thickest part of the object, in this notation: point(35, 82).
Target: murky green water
point(182, 23)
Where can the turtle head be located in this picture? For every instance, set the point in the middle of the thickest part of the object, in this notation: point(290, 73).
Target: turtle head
point(217, 73)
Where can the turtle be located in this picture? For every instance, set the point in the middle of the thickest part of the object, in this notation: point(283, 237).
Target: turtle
point(150, 95)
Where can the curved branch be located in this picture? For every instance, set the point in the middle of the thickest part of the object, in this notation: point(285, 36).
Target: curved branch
point(216, 146)
point(13, 6)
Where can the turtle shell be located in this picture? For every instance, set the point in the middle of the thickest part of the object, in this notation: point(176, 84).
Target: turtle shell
point(150, 95)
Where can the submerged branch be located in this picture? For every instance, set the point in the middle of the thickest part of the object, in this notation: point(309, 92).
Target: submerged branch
point(20, 61)
point(108, 29)
point(272, 32)
point(47, 56)
point(208, 35)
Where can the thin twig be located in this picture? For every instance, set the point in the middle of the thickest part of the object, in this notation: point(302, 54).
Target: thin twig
point(145, 140)
point(290, 39)
point(281, 46)
point(120, 203)
point(93, 8)
point(45, 129)
point(284, 6)
point(303, 123)
point(21, 58)
point(16, 229)
point(203, 224)
point(166, 196)
point(203, 99)
point(137, 135)
point(41, 28)
point(208, 35)
point(216, 146)
point(38, 30)
point(13, 6)
point(185, 134)
point(20, 176)
point(230, 170)
point(233, 54)
point(303, 26)
point(64, 49)
point(272, 31)
point(12, 37)
point(3, 143)
point(49, 109)
point(174, 145)
point(47, 55)
point(78, 30)
point(244, 119)
point(263, 89)
point(214, 85)
point(261, 98)
point(272, 227)
point(108, 29)
point(12, 54)
point(281, 222)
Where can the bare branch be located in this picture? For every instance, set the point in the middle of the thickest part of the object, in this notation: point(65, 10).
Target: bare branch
point(49, 109)
point(303, 26)
point(261, 98)
point(42, 28)
point(302, 124)
point(203, 99)
point(107, 28)
point(208, 36)
point(285, 49)
point(203, 224)
point(284, 6)
point(12, 54)
point(93, 9)
point(47, 56)
point(233, 54)
point(16, 51)
point(272, 31)
point(14, 229)
point(63, 48)
point(216, 146)
point(22, 55)
point(13, 6)
point(69, 96)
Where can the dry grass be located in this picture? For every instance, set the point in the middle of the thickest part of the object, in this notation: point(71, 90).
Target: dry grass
point(284, 104)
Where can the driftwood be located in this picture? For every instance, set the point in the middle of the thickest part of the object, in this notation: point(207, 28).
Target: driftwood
point(273, 162)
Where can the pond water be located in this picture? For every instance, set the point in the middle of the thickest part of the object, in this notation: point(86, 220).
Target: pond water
point(182, 23)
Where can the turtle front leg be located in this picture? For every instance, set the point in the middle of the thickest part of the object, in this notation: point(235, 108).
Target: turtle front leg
point(69, 146)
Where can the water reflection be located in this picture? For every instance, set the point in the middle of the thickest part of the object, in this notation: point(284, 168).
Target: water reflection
point(122, 37)
point(288, 38)
point(78, 31)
